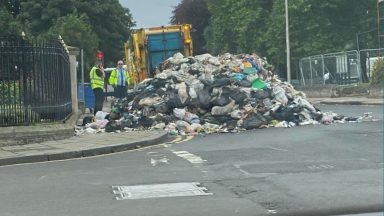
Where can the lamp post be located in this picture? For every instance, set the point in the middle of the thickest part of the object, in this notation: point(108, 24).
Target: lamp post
point(287, 42)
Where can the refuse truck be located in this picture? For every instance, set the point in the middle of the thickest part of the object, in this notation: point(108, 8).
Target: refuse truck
point(147, 47)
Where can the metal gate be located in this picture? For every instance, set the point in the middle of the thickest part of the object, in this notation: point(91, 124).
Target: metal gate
point(35, 84)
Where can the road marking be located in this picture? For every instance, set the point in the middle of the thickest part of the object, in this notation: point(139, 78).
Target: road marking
point(159, 191)
point(241, 170)
point(278, 149)
point(180, 139)
point(157, 158)
point(320, 167)
point(272, 211)
point(189, 157)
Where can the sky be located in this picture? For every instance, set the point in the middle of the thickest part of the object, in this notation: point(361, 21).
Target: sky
point(150, 13)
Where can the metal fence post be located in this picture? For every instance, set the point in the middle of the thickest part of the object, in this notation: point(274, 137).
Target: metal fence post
point(301, 71)
point(322, 68)
point(310, 69)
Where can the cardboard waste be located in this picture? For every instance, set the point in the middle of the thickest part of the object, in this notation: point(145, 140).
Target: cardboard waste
point(207, 94)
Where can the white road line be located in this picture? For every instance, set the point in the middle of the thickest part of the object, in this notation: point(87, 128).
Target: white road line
point(241, 170)
point(189, 157)
point(278, 149)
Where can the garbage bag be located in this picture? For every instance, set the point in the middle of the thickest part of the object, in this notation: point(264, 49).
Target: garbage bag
point(87, 120)
point(231, 124)
point(179, 113)
point(289, 114)
point(244, 83)
point(149, 101)
point(159, 126)
point(254, 121)
point(183, 126)
point(126, 123)
point(260, 94)
point(221, 82)
point(238, 96)
point(193, 72)
point(220, 100)
point(145, 122)
point(112, 126)
point(183, 92)
point(304, 103)
point(161, 108)
point(100, 115)
point(114, 116)
point(223, 110)
point(258, 84)
point(236, 114)
point(158, 83)
point(195, 127)
point(280, 96)
point(172, 100)
point(192, 93)
point(191, 118)
point(204, 99)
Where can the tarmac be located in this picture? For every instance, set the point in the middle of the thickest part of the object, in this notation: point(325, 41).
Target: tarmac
point(106, 143)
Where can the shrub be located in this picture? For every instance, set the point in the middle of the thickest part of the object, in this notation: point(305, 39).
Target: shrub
point(378, 72)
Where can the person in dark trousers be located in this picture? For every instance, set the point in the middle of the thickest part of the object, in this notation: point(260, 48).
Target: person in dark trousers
point(97, 76)
point(119, 79)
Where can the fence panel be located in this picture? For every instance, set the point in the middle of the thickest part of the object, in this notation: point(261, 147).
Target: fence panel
point(333, 68)
point(35, 83)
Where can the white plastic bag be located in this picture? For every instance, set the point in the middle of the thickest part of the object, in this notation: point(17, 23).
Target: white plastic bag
point(100, 115)
point(179, 113)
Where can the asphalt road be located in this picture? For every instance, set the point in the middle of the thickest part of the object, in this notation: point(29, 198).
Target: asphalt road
point(309, 170)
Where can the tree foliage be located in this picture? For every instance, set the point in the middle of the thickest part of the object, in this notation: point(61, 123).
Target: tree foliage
point(105, 19)
point(8, 26)
point(194, 12)
point(76, 31)
point(315, 27)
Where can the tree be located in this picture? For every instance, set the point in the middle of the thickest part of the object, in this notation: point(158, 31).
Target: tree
point(111, 22)
point(8, 25)
point(259, 25)
point(194, 12)
point(108, 19)
point(237, 25)
point(76, 31)
point(39, 15)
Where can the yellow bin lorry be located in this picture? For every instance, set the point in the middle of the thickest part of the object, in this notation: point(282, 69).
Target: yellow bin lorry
point(147, 47)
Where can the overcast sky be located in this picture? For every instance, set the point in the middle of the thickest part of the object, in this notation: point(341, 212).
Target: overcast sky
point(150, 13)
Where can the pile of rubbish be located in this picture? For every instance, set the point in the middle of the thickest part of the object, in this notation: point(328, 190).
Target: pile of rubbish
point(207, 94)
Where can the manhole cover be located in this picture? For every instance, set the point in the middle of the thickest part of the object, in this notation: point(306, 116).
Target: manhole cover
point(159, 190)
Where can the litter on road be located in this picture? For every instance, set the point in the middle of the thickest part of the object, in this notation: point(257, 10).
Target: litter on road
point(208, 94)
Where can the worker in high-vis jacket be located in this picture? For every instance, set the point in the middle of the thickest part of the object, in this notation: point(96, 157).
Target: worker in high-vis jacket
point(97, 76)
point(119, 79)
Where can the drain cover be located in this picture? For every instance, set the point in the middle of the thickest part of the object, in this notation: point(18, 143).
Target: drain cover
point(159, 190)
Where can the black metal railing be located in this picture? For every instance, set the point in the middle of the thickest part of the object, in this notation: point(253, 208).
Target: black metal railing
point(35, 83)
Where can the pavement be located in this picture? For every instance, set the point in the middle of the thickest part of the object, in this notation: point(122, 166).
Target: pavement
point(347, 101)
point(105, 143)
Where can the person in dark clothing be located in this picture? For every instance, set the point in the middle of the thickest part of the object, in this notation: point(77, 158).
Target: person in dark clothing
point(97, 76)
